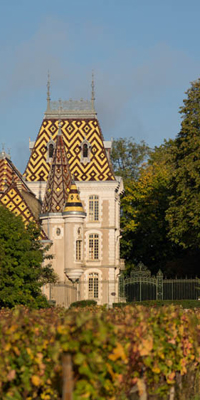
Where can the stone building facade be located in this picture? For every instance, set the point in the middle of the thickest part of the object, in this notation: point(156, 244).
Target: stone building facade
point(69, 174)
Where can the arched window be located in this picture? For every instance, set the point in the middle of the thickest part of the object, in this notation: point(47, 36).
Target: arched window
point(51, 148)
point(85, 150)
point(93, 246)
point(93, 285)
point(93, 208)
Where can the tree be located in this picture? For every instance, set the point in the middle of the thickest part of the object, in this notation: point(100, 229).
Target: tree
point(144, 207)
point(21, 256)
point(127, 156)
point(183, 214)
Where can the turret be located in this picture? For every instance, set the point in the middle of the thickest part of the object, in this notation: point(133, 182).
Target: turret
point(74, 216)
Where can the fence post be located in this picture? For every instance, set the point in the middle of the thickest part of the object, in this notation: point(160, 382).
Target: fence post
point(159, 293)
point(67, 390)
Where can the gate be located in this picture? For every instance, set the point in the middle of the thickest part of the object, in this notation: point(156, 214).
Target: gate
point(142, 286)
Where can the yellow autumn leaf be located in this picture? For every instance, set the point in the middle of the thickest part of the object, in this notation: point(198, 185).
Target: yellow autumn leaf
point(7, 347)
point(156, 370)
point(36, 380)
point(118, 352)
point(16, 350)
point(170, 377)
point(146, 346)
point(110, 370)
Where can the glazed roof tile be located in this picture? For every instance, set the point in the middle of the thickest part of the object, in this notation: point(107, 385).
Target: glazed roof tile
point(74, 131)
point(59, 180)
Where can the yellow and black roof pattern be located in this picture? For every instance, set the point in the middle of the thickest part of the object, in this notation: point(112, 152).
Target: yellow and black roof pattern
point(73, 205)
point(74, 132)
point(59, 180)
point(13, 199)
point(10, 174)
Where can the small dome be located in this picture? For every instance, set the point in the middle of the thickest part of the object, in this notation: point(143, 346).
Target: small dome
point(73, 205)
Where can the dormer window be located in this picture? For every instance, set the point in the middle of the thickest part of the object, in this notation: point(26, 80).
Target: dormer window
point(85, 151)
point(50, 150)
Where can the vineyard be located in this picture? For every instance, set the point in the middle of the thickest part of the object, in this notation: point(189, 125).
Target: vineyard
point(113, 352)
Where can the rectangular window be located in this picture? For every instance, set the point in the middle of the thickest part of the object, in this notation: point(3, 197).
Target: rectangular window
point(93, 247)
point(93, 288)
point(94, 208)
point(78, 250)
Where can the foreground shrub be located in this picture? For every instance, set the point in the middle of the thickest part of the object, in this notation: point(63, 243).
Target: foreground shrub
point(83, 303)
point(112, 350)
point(32, 344)
point(159, 303)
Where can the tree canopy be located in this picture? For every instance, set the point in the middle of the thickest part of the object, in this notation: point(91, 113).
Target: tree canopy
point(160, 216)
point(127, 156)
point(183, 214)
point(143, 212)
point(22, 274)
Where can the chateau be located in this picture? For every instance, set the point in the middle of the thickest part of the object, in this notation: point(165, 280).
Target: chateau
point(70, 189)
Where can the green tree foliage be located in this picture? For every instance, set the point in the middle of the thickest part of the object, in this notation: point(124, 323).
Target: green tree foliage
point(21, 258)
point(183, 214)
point(127, 156)
point(143, 212)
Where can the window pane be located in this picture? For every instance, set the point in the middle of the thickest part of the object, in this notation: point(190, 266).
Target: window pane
point(93, 286)
point(93, 247)
point(78, 250)
point(51, 150)
point(85, 150)
point(94, 208)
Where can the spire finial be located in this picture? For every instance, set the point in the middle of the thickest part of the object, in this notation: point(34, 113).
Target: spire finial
point(92, 93)
point(48, 93)
point(59, 128)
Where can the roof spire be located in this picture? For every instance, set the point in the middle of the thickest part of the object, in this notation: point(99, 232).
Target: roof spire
point(48, 93)
point(59, 180)
point(59, 128)
point(92, 93)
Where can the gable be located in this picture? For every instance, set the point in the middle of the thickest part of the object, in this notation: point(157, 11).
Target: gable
point(74, 132)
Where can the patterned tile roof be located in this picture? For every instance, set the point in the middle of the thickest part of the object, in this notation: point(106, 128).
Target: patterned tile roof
point(74, 131)
point(10, 174)
point(15, 194)
point(13, 199)
point(59, 180)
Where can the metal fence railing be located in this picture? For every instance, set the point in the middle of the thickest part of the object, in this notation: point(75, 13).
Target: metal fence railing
point(142, 286)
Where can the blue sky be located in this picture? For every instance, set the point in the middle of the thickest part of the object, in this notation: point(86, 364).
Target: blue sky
point(144, 54)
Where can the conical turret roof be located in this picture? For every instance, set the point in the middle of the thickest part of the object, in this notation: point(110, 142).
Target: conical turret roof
point(73, 205)
point(59, 180)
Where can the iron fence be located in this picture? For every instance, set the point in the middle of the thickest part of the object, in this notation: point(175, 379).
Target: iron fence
point(141, 285)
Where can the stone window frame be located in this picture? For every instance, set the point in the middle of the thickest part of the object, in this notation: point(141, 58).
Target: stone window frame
point(85, 159)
